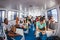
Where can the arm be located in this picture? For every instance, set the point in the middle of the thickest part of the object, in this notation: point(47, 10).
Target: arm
point(45, 28)
point(37, 29)
point(12, 34)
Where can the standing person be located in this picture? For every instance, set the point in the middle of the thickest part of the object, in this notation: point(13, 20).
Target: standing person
point(41, 27)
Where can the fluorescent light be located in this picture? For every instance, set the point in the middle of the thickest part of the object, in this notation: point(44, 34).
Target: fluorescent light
point(52, 3)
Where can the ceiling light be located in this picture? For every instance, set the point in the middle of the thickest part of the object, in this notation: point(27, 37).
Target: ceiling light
point(51, 3)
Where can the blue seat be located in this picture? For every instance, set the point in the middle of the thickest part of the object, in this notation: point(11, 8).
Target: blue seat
point(9, 38)
point(17, 37)
point(12, 38)
point(50, 38)
point(32, 29)
point(30, 35)
point(43, 37)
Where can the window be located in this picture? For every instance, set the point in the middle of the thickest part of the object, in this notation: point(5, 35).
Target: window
point(53, 13)
point(49, 13)
point(12, 15)
point(2, 14)
point(0, 17)
point(9, 15)
point(21, 15)
point(17, 14)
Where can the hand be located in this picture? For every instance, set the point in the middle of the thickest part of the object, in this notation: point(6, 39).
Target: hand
point(16, 34)
point(48, 28)
point(53, 31)
point(44, 32)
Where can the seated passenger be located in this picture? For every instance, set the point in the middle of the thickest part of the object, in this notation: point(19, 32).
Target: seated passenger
point(50, 23)
point(13, 30)
point(25, 23)
point(41, 27)
point(29, 18)
point(17, 21)
point(6, 27)
point(37, 21)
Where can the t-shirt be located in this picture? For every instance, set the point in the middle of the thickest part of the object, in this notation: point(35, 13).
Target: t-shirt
point(7, 27)
point(51, 25)
point(26, 25)
point(40, 26)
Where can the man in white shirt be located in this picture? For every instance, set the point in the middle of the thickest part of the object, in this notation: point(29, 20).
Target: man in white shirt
point(6, 27)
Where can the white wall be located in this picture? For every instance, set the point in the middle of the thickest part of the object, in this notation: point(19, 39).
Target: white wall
point(58, 30)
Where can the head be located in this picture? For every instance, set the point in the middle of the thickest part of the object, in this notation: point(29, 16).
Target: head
point(38, 17)
point(17, 19)
point(42, 20)
point(25, 20)
point(44, 16)
point(6, 21)
point(51, 18)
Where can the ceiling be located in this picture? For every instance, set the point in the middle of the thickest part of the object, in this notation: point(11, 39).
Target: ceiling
point(15, 4)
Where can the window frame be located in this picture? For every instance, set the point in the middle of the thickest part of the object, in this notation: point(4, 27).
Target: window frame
point(52, 14)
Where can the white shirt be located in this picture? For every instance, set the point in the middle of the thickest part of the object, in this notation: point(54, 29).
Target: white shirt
point(6, 27)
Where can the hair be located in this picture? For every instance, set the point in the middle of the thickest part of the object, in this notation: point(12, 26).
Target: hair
point(29, 20)
point(17, 19)
point(21, 21)
point(37, 19)
point(5, 20)
point(49, 17)
point(42, 18)
point(26, 19)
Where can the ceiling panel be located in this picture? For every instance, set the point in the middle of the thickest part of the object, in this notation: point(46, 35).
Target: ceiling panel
point(14, 4)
